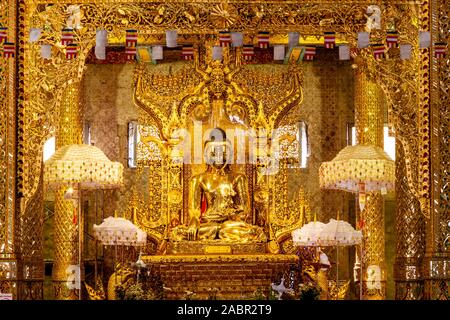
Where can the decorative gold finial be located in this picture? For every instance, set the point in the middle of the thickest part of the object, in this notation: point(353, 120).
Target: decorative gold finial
point(302, 215)
point(134, 216)
point(261, 121)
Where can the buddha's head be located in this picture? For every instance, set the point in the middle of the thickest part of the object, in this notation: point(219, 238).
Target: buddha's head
point(218, 151)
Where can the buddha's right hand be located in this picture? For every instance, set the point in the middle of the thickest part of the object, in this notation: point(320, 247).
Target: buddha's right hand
point(192, 228)
point(192, 233)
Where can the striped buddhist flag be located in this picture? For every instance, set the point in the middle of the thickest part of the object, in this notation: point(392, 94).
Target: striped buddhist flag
point(3, 34)
point(378, 51)
point(248, 52)
point(361, 224)
point(329, 40)
point(361, 195)
point(131, 38)
point(224, 38)
point(440, 49)
point(9, 49)
point(310, 52)
point(67, 36)
point(263, 39)
point(71, 51)
point(130, 52)
point(392, 39)
point(187, 52)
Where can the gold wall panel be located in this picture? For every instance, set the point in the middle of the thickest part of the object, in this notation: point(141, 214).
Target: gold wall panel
point(410, 233)
point(327, 109)
point(436, 264)
point(9, 247)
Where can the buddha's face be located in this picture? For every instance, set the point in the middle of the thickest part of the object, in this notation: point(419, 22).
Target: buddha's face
point(216, 154)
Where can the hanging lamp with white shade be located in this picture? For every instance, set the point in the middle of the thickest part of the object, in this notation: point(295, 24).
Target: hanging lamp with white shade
point(359, 169)
point(82, 165)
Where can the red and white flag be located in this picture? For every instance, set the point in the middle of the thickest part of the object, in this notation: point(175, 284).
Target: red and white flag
point(361, 195)
point(378, 51)
point(248, 52)
point(440, 50)
point(392, 39)
point(330, 40)
point(224, 38)
point(3, 34)
point(310, 52)
point(71, 51)
point(9, 50)
point(131, 38)
point(67, 36)
point(263, 39)
point(130, 52)
point(187, 52)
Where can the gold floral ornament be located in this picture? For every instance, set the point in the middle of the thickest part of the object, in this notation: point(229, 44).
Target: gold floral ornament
point(223, 15)
point(83, 165)
point(359, 169)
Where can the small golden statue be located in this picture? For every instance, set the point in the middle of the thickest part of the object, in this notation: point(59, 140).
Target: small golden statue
point(219, 203)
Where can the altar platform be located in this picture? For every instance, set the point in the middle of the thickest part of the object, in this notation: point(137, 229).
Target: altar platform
point(219, 276)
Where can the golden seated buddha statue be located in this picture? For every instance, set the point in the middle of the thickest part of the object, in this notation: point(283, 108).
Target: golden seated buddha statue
point(219, 203)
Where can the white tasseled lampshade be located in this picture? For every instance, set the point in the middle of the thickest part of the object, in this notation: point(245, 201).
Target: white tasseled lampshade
point(83, 165)
point(358, 164)
point(119, 231)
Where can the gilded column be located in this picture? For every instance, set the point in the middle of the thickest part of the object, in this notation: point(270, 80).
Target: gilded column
point(410, 235)
point(9, 227)
point(436, 264)
point(66, 227)
point(369, 122)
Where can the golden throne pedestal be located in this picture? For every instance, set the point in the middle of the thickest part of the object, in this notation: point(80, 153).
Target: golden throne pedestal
point(220, 276)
